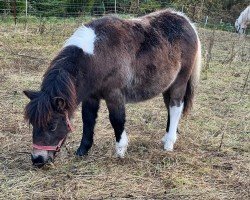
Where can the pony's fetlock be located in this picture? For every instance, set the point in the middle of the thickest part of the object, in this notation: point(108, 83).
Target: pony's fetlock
point(81, 152)
point(121, 146)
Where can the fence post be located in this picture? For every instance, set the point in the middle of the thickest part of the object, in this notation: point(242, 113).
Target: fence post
point(208, 54)
point(115, 6)
point(26, 14)
point(14, 11)
point(26, 9)
point(206, 21)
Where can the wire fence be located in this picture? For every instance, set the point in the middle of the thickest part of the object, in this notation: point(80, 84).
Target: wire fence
point(20, 11)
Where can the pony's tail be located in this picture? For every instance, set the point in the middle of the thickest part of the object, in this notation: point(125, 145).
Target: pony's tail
point(193, 81)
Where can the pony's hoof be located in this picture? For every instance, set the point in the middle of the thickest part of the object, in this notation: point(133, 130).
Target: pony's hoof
point(168, 145)
point(120, 151)
point(81, 152)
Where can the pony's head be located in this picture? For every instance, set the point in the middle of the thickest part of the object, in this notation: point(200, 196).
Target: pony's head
point(237, 26)
point(48, 112)
point(50, 120)
point(240, 26)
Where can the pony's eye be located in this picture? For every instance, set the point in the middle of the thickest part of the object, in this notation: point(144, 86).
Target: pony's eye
point(52, 126)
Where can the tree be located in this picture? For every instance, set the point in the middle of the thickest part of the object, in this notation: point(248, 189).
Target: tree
point(46, 8)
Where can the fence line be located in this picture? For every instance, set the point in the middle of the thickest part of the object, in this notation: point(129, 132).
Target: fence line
point(20, 9)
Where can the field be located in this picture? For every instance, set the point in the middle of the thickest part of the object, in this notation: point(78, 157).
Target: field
point(211, 158)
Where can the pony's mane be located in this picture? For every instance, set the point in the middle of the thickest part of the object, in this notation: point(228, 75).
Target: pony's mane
point(58, 82)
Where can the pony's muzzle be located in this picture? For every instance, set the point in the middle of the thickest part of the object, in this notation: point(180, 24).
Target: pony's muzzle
point(41, 157)
point(37, 161)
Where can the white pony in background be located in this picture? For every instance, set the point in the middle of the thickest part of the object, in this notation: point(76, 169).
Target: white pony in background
point(243, 20)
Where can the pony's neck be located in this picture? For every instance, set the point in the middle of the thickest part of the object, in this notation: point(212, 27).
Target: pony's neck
point(61, 77)
point(239, 20)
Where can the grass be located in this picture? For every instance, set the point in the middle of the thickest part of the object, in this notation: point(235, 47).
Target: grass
point(198, 168)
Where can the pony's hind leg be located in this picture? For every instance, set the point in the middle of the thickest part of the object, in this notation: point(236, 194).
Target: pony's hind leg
point(116, 106)
point(166, 99)
point(89, 114)
point(173, 99)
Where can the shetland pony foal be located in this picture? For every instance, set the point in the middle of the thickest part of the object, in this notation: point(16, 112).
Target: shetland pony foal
point(120, 61)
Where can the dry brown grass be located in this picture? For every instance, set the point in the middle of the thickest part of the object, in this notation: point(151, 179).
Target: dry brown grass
point(197, 169)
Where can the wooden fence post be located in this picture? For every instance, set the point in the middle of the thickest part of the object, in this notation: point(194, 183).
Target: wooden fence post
point(206, 20)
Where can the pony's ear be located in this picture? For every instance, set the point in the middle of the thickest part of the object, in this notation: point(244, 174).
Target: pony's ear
point(60, 104)
point(31, 94)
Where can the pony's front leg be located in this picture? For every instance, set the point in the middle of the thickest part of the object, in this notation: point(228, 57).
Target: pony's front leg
point(116, 106)
point(89, 115)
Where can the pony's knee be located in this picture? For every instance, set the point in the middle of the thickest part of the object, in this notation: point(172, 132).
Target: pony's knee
point(177, 93)
point(176, 102)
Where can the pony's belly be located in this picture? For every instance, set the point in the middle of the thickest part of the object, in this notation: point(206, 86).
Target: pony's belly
point(134, 95)
point(144, 88)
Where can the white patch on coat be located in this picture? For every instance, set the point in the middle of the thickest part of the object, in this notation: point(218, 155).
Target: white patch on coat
point(84, 38)
point(170, 138)
point(121, 146)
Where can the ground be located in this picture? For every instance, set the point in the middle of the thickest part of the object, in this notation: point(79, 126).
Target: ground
point(211, 158)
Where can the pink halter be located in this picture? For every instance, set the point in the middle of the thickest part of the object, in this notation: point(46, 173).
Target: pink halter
point(58, 146)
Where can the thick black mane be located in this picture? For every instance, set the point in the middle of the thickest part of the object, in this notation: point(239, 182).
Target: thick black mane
point(58, 82)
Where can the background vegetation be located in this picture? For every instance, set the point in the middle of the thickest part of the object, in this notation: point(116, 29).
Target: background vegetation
point(226, 10)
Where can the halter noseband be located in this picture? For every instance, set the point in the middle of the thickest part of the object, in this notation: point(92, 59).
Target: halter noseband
point(58, 146)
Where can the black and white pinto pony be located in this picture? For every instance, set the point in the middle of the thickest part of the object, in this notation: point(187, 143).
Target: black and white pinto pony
point(242, 21)
point(120, 61)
